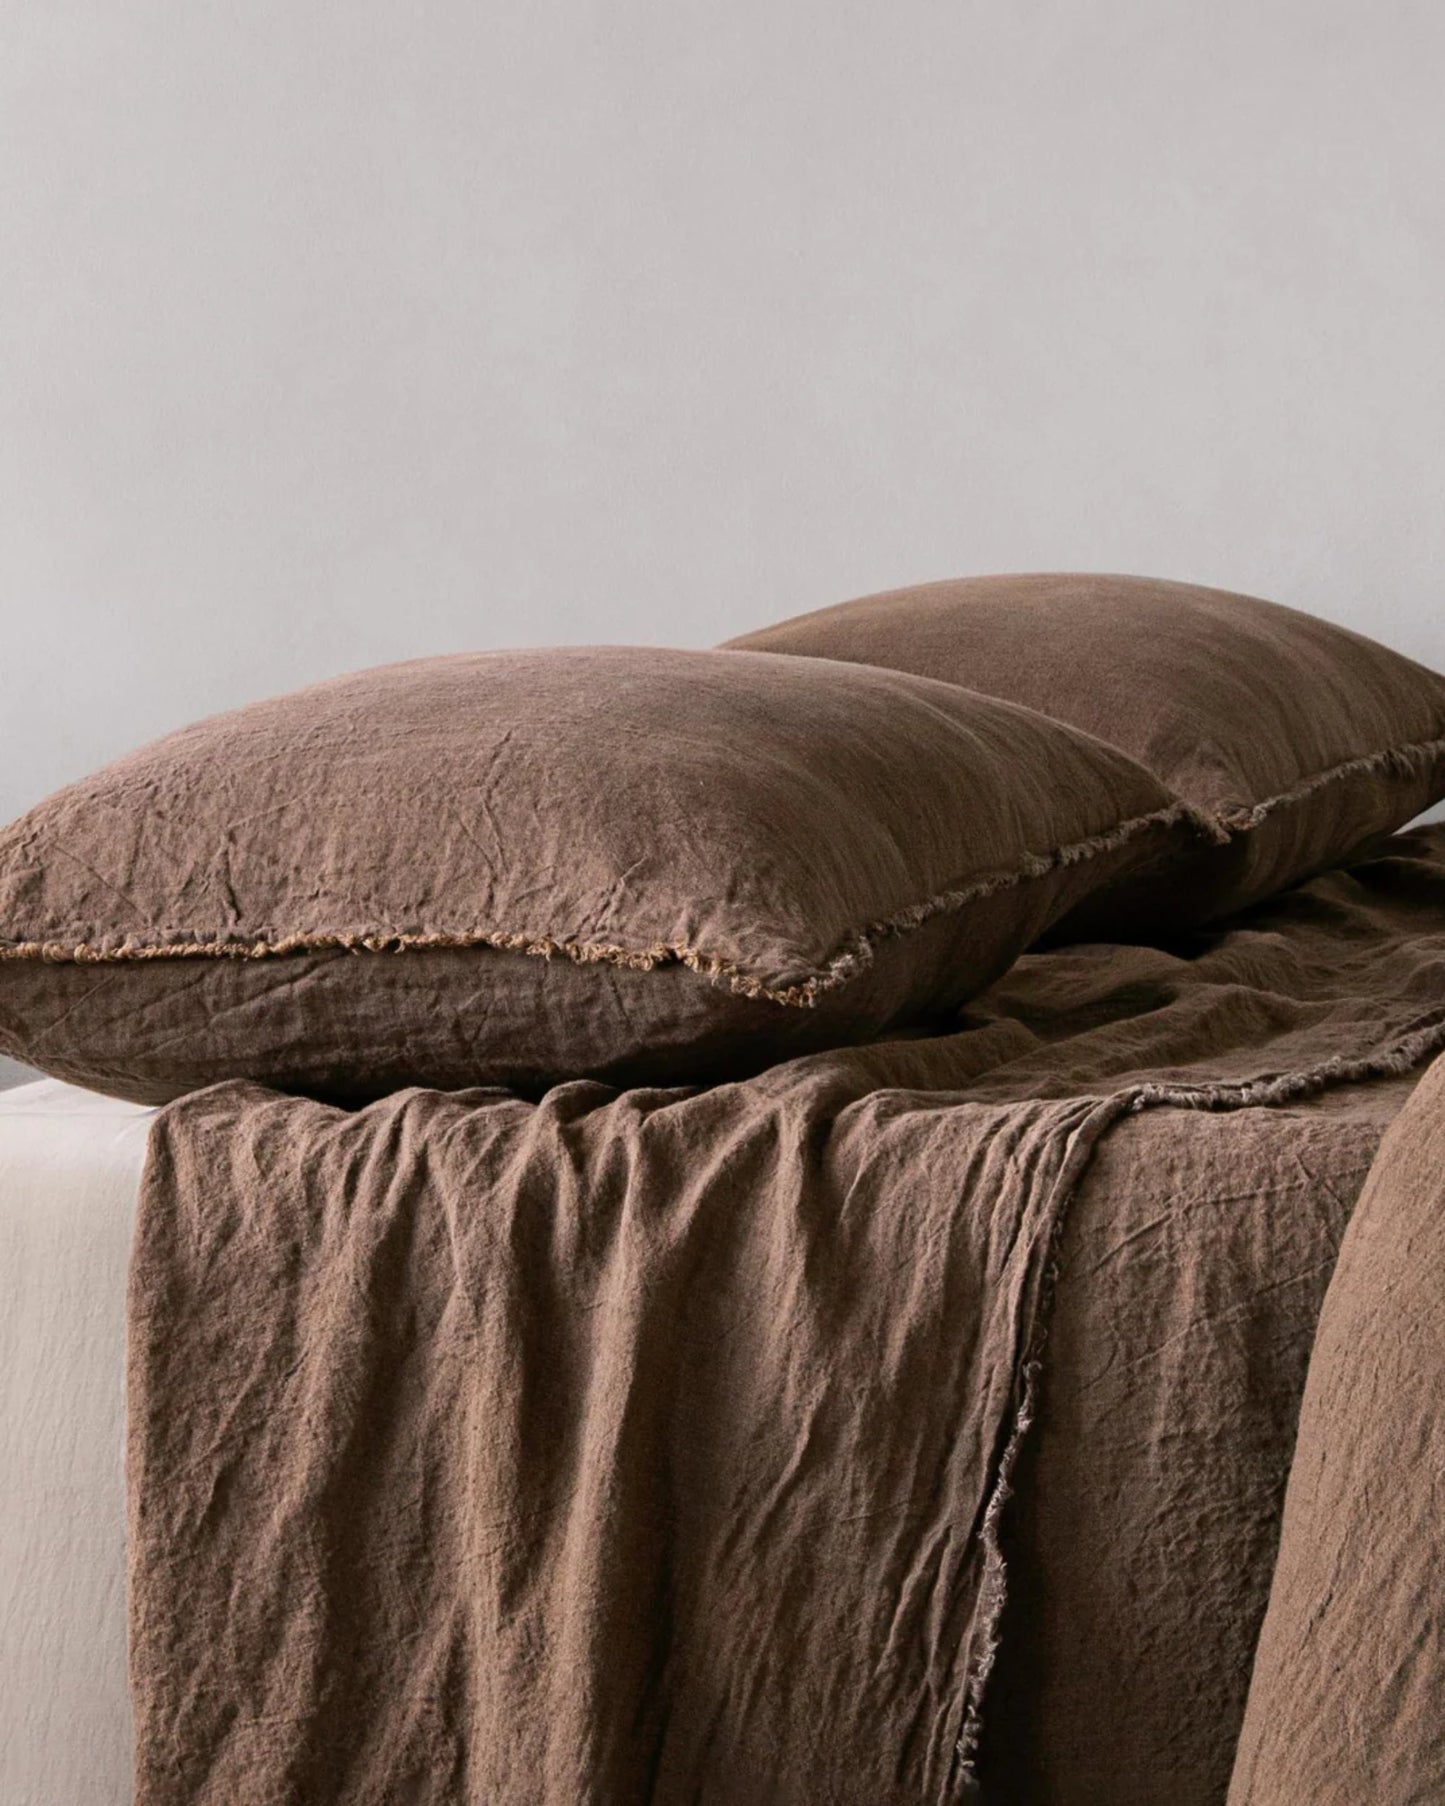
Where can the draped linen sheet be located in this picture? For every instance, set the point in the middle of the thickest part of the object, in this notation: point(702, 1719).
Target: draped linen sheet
point(658, 1445)
point(1348, 1697)
point(1141, 1538)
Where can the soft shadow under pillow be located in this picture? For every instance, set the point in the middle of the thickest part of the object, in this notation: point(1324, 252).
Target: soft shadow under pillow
point(638, 865)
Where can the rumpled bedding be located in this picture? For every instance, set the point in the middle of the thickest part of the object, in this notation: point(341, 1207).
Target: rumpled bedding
point(1142, 1534)
point(909, 1423)
point(1348, 1698)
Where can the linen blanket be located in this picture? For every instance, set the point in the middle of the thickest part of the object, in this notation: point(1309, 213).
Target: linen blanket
point(1348, 1697)
point(658, 1446)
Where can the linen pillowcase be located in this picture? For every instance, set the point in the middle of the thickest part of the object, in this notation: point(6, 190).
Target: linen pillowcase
point(1293, 739)
point(642, 866)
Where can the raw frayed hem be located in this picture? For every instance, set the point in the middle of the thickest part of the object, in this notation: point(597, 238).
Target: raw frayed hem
point(1397, 761)
point(1408, 1051)
point(848, 963)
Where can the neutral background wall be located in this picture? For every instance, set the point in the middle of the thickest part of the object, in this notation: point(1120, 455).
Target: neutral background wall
point(340, 332)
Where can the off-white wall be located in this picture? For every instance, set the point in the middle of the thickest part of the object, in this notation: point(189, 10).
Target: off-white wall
point(333, 333)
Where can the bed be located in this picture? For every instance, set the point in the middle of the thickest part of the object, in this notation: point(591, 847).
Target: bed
point(734, 1228)
point(1178, 1344)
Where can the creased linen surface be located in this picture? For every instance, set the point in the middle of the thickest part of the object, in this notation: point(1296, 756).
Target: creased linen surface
point(655, 1446)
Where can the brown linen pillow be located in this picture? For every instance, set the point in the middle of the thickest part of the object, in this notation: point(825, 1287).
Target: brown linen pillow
point(1294, 739)
point(644, 866)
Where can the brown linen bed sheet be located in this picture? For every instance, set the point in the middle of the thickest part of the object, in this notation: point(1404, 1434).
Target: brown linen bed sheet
point(1141, 1539)
point(656, 1446)
point(1347, 1703)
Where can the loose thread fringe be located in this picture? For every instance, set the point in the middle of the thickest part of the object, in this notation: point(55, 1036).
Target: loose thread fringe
point(1398, 761)
point(1404, 1054)
point(854, 955)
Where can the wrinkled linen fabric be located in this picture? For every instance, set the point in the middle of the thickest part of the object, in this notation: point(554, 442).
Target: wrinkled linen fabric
point(1142, 1535)
point(624, 863)
point(657, 1446)
point(1347, 1703)
point(1297, 737)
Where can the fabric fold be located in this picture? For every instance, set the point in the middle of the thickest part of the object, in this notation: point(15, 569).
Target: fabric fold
point(657, 1445)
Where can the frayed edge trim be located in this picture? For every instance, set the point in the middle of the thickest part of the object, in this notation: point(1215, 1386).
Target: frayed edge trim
point(853, 957)
point(993, 1583)
point(1406, 1053)
point(1400, 761)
